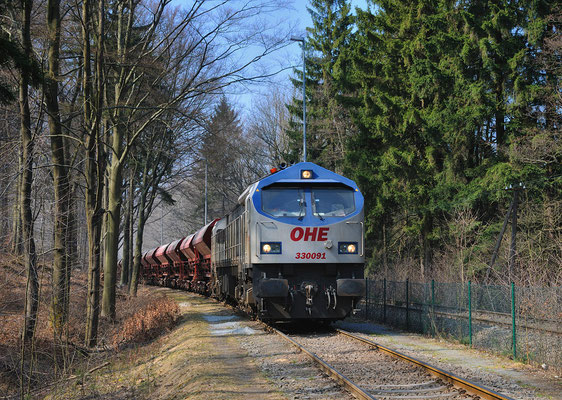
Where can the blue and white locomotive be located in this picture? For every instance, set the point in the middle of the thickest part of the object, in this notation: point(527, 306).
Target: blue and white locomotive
point(294, 246)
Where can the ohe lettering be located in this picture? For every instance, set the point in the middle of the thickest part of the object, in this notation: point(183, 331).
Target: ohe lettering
point(309, 234)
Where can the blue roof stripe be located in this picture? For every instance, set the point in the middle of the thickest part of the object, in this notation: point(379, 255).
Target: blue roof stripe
point(292, 174)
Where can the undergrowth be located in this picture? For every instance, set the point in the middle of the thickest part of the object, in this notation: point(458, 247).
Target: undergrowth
point(138, 319)
point(149, 322)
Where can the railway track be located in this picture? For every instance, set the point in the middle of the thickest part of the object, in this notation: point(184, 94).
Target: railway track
point(383, 373)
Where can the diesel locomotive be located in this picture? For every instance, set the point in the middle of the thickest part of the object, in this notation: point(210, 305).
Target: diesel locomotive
point(293, 248)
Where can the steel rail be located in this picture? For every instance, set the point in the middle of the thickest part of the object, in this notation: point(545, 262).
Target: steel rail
point(355, 390)
point(456, 381)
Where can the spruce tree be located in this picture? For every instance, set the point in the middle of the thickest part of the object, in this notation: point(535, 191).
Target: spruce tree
point(327, 122)
point(442, 93)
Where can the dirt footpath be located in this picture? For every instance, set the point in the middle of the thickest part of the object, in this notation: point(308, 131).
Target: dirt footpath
point(191, 362)
point(211, 354)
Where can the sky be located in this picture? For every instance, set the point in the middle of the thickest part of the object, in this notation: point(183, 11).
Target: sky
point(296, 16)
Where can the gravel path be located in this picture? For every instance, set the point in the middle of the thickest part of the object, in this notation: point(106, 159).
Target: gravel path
point(375, 372)
point(295, 375)
point(502, 375)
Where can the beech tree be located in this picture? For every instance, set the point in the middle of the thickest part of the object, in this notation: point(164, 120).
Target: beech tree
point(32, 290)
point(95, 164)
point(60, 172)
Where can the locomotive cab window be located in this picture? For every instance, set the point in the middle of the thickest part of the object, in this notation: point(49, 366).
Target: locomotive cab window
point(283, 201)
point(332, 202)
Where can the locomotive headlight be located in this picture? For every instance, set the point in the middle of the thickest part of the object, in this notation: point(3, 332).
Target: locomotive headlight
point(347, 247)
point(270, 248)
point(306, 174)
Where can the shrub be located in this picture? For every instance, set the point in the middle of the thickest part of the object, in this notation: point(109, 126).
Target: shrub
point(148, 322)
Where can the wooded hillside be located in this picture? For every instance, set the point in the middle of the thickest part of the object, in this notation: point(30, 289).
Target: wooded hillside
point(108, 107)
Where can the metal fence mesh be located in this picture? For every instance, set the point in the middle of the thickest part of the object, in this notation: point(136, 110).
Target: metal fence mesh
point(522, 321)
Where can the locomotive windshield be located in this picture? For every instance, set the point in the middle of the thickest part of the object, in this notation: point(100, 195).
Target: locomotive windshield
point(332, 202)
point(284, 202)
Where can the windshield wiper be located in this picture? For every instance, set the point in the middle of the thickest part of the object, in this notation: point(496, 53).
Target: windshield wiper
point(317, 214)
point(302, 210)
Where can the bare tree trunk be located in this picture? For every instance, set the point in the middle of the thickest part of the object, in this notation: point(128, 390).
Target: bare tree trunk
point(4, 205)
point(60, 171)
point(70, 237)
point(427, 226)
point(94, 219)
point(384, 250)
point(131, 207)
point(16, 221)
point(138, 248)
point(115, 181)
point(72, 231)
point(32, 289)
point(124, 280)
point(147, 196)
point(94, 168)
point(112, 233)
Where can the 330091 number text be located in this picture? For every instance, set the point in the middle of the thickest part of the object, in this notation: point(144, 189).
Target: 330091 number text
point(311, 256)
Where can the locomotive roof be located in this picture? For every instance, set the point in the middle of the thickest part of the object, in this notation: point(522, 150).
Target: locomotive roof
point(320, 175)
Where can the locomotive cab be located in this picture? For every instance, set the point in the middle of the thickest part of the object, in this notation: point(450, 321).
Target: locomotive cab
point(292, 249)
point(301, 244)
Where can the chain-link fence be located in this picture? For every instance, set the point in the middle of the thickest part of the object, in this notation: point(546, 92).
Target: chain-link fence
point(524, 322)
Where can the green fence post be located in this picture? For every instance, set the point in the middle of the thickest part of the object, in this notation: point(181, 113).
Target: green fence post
point(433, 307)
point(433, 322)
point(407, 305)
point(469, 314)
point(366, 298)
point(384, 301)
point(514, 336)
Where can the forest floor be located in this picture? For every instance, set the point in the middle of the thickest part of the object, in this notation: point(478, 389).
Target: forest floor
point(64, 359)
point(215, 354)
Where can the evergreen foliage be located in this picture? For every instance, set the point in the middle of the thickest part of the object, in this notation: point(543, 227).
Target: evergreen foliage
point(230, 156)
point(327, 125)
point(450, 102)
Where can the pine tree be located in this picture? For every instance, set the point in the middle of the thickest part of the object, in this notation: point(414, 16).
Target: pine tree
point(442, 88)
